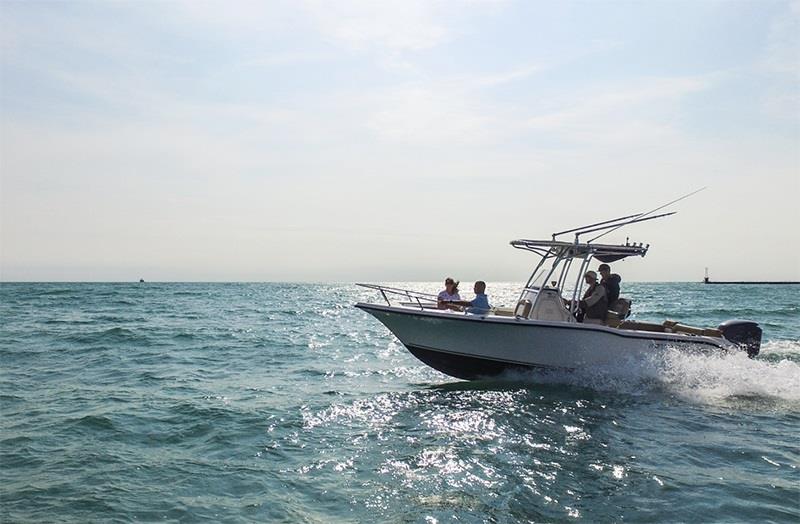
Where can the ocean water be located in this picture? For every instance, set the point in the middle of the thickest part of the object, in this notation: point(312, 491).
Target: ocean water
point(283, 403)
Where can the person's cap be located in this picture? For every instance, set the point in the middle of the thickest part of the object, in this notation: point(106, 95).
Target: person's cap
point(591, 274)
point(604, 267)
point(449, 280)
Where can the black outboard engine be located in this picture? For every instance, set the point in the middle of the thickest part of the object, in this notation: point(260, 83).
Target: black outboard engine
point(744, 333)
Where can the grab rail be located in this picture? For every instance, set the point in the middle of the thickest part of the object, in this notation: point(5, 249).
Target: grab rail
point(411, 295)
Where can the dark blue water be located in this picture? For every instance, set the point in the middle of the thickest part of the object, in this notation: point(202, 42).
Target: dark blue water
point(282, 402)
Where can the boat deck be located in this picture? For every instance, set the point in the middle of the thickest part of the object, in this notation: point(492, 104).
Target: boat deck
point(667, 326)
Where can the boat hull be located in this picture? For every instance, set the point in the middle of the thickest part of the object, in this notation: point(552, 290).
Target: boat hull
point(468, 367)
point(470, 347)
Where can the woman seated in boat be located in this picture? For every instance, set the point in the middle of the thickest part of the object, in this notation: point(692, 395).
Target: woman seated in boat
point(478, 305)
point(594, 304)
point(449, 294)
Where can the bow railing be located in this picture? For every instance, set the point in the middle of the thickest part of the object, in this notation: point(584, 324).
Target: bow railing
point(413, 298)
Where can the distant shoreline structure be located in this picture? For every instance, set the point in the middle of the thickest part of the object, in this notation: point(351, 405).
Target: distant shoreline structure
point(754, 282)
point(707, 280)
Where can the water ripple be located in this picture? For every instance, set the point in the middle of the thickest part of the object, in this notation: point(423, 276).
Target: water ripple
point(253, 402)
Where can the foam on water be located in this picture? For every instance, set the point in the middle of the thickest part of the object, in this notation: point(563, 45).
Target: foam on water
point(699, 377)
point(717, 377)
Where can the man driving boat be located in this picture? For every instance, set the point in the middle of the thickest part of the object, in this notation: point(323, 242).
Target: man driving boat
point(595, 302)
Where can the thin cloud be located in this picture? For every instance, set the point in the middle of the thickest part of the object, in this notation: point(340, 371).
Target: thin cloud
point(781, 60)
point(404, 25)
point(390, 25)
point(631, 113)
point(425, 116)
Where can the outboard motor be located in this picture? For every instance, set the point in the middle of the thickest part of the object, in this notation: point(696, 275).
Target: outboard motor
point(744, 333)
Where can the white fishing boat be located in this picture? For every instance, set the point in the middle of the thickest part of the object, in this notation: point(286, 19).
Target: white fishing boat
point(542, 330)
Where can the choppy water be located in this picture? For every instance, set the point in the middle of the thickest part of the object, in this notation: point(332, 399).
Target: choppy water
point(282, 402)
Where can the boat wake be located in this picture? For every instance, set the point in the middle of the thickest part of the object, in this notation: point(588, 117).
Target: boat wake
point(773, 377)
point(734, 375)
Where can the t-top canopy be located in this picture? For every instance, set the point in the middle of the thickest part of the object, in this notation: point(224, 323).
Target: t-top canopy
point(602, 252)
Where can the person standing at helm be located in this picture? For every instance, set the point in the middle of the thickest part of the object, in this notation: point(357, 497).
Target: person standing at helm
point(594, 303)
point(610, 281)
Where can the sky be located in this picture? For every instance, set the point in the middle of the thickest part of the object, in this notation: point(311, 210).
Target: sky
point(358, 140)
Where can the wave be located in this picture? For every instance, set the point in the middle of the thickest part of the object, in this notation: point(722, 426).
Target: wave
point(721, 312)
point(92, 423)
point(53, 292)
point(65, 321)
point(706, 378)
point(116, 334)
point(734, 375)
point(781, 347)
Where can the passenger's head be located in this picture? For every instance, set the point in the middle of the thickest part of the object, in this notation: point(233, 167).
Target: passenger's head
point(450, 284)
point(604, 270)
point(480, 286)
point(590, 277)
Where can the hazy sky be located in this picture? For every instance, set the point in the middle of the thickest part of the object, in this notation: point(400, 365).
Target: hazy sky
point(367, 140)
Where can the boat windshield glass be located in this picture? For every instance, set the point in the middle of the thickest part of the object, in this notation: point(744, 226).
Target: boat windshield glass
point(537, 279)
point(558, 269)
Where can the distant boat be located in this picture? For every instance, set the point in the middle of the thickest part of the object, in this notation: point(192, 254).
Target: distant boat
point(707, 280)
point(141, 281)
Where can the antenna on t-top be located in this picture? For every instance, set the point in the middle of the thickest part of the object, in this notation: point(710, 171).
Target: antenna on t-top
point(644, 216)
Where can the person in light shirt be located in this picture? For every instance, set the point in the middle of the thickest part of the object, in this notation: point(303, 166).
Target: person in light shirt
point(449, 294)
point(478, 305)
point(595, 302)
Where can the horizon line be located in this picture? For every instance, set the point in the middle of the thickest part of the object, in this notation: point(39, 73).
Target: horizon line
point(700, 281)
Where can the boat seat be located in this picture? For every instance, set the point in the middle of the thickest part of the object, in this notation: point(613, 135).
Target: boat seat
point(502, 311)
point(550, 306)
point(621, 307)
point(620, 310)
point(523, 308)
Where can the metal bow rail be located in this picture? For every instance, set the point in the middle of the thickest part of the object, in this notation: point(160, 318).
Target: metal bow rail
point(412, 296)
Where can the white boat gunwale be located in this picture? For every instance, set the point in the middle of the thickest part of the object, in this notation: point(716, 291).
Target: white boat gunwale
point(526, 322)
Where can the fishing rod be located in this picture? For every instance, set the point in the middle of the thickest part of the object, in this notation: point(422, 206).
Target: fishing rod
point(639, 218)
point(604, 222)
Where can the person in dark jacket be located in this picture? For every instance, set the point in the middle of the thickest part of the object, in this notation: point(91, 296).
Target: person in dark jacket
point(610, 281)
point(594, 303)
